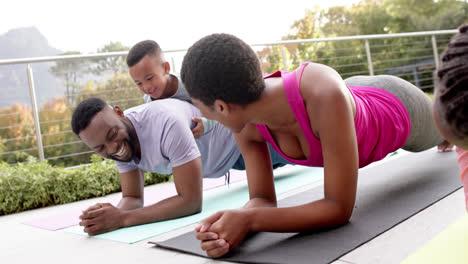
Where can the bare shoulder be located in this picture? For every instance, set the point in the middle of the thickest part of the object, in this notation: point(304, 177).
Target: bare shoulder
point(321, 80)
point(324, 92)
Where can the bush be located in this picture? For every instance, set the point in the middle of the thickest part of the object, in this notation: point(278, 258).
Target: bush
point(38, 184)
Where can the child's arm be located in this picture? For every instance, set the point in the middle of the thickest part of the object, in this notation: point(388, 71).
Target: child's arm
point(208, 124)
point(203, 126)
point(463, 162)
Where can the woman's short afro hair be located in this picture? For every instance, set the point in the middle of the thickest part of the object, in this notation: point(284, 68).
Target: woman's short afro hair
point(222, 66)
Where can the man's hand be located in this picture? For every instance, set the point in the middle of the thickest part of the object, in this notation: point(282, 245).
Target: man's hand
point(223, 231)
point(101, 218)
point(199, 128)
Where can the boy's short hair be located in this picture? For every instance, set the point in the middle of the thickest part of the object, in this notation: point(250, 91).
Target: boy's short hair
point(452, 84)
point(85, 112)
point(221, 66)
point(141, 49)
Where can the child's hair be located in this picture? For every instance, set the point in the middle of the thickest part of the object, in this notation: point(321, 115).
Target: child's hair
point(451, 95)
point(221, 66)
point(141, 49)
point(85, 112)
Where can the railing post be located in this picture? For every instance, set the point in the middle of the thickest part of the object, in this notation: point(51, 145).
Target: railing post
point(369, 58)
point(436, 52)
point(32, 93)
point(283, 54)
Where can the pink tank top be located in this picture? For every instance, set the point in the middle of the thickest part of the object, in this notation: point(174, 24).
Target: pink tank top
point(463, 162)
point(382, 122)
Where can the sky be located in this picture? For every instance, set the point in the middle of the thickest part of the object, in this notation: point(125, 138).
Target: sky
point(87, 25)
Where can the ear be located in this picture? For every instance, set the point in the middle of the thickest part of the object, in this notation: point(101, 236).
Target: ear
point(118, 110)
point(221, 107)
point(167, 67)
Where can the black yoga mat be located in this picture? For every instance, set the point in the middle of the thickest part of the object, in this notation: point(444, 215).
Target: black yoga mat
point(388, 194)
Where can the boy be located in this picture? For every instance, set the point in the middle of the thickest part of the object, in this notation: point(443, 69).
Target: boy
point(151, 73)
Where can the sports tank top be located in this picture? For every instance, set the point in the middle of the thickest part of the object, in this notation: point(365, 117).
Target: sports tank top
point(382, 122)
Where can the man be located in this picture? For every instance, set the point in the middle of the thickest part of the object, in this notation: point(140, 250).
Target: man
point(153, 137)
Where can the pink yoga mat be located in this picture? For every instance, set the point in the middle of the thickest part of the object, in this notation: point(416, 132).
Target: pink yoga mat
point(70, 218)
point(56, 222)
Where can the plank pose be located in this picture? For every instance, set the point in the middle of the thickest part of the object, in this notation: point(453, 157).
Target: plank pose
point(311, 117)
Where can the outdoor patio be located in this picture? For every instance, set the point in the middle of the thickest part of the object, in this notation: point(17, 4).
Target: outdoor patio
point(21, 243)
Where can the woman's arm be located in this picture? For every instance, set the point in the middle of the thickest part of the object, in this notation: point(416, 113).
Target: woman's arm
point(331, 112)
point(332, 118)
point(258, 167)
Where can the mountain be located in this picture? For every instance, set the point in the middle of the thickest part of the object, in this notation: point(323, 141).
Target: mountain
point(26, 43)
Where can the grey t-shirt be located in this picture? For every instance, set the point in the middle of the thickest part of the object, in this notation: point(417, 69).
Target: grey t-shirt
point(183, 95)
point(164, 131)
point(180, 94)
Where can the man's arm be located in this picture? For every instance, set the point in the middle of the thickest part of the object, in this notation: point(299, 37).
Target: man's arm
point(103, 218)
point(132, 184)
point(181, 150)
point(188, 201)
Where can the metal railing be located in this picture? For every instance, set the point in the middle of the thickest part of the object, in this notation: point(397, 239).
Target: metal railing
point(414, 56)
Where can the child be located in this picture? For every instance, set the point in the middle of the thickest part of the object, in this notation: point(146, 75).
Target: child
point(151, 73)
point(451, 99)
point(311, 118)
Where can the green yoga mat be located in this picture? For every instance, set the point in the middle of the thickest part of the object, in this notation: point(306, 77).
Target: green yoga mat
point(226, 197)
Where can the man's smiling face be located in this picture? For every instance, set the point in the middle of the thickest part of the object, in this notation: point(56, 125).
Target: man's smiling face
point(109, 135)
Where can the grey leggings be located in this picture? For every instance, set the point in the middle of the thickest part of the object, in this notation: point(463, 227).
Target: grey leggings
point(424, 134)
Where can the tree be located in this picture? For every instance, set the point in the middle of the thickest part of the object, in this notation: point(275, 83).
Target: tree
point(119, 90)
point(17, 132)
point(70, 70)
point(422, 15)
point(369, 17)
point(115, 64)
point(57, 137)
point(306, 28)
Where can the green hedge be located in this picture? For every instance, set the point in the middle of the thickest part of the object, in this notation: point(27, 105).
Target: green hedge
point(37, 184)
